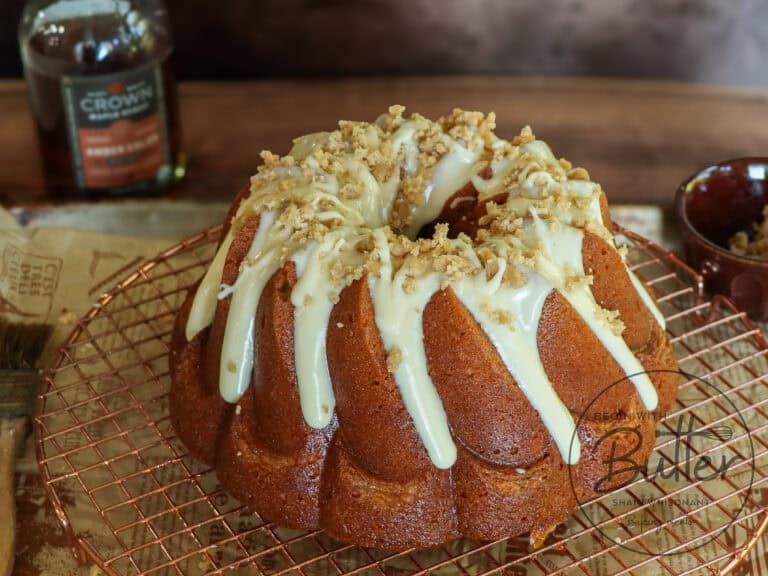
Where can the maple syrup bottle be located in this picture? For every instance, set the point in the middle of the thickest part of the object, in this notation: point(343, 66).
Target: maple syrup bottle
point(101, 82)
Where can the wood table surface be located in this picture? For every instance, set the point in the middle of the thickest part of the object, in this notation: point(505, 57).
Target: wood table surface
point(640, 139)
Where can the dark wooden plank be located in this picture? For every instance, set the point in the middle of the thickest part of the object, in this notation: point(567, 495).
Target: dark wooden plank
point(638, 138)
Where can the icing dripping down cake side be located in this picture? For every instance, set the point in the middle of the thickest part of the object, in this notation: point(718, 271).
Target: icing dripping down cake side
point(402, 328)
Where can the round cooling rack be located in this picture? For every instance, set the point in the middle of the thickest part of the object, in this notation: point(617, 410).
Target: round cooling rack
point(133, 501)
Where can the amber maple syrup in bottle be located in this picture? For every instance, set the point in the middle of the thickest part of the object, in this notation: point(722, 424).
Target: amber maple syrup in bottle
point(101, 83)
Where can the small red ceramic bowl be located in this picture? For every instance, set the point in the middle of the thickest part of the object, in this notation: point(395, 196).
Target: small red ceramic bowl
point(712, 206)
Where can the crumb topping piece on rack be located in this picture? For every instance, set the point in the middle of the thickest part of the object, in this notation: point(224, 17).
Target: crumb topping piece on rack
point(350, 204)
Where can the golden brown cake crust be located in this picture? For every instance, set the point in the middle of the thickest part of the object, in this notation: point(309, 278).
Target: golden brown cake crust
point(366, 476)
point(503, 432)
point(380, 489)
point(367, 397)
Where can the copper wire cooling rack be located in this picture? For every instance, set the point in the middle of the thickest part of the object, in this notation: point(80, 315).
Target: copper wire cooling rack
point(133, 501)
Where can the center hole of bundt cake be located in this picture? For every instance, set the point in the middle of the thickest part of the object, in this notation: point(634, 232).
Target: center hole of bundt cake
point(460, 213)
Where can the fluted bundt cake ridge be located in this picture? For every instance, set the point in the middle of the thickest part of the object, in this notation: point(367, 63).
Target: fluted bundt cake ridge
point(324, 309)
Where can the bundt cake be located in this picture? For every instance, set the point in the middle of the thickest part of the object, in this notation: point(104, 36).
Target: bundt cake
point(414, 331)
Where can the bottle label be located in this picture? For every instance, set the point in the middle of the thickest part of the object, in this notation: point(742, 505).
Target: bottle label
point(117, 128)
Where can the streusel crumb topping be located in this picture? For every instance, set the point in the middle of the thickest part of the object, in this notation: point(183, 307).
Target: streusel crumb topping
point(364, 177)
point(757, 245)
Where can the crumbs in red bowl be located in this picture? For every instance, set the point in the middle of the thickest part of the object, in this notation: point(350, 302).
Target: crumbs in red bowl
point(756, 246)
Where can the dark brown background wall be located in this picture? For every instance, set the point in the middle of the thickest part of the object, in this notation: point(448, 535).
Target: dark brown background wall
point(715, 41)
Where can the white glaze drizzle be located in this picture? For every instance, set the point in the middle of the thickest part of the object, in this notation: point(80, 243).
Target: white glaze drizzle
point(312, 309)
point(303, 146)
point(585, 306)
point(204, 303)
point(398, 317)
point(517, 341)
point(529, 175)
point(237, 345)
point(404, 140)
point(562, 246)
point(372, 205)
point(451, 174)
